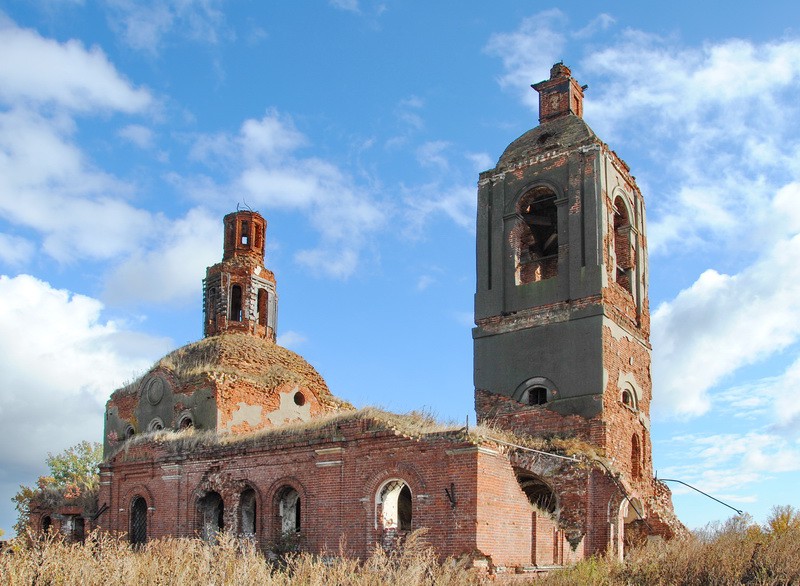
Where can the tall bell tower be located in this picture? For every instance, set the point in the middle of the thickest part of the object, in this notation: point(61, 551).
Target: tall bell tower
point(561, 343)
point(239, 292)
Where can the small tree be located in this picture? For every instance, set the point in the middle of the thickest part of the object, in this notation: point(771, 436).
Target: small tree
point(73, 474)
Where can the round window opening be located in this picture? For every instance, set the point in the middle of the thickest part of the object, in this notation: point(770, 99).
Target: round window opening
point(186, 422)
point(129, 432)
point(299, 399)
point(155, 425)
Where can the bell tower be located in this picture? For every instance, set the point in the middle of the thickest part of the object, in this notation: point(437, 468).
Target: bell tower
point(561, 343)
point(239, 292)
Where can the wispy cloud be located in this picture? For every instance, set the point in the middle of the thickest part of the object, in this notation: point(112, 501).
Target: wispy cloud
point(144, 25)
point(265, 167)
point(67, 75)
point(528, 52)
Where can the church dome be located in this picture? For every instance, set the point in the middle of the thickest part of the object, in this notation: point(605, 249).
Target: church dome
point(564, 132)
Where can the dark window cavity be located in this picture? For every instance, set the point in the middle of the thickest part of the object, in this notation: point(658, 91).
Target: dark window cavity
point(211, 513)
point(138, 528)
point(236, 303)
point(539, 494)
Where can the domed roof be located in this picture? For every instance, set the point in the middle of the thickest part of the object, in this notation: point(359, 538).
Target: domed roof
point(566, 131)
point(249, 357)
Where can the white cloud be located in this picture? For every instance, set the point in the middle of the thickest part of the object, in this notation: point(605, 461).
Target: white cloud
point(291, 339)
point(431, 154)
point(728, 465)
point(137, 134)
point(35, 69)
point(722, 323)
point(62, 354)
point(15, 250)
point(599, 23)
point(480, 161)
point(76, 207)
point(268, 173)
point(425, 281)
point(349, 5)
point(718, 120)
point(425, 202)
point(172, 269)
point(529, 52)
point(143, 25)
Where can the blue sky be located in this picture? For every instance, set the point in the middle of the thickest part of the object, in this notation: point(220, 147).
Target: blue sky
point(129, 128)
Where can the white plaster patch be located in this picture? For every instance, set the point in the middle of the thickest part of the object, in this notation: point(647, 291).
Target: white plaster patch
point(250, 414)
point(289, 410)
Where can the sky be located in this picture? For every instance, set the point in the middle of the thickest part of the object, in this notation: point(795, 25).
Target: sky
point(358, 128)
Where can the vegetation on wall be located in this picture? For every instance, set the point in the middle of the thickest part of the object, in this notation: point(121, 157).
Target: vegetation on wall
point(73, 478)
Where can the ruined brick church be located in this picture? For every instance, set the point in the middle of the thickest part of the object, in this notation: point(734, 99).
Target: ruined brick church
point(235, 433)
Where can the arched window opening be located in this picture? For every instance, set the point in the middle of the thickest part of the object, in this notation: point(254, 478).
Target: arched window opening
point(396, 506)
point(138, 528)
point(262, 307)
point(537, 396)
point(539, 494)
point(236, 303)
point(129, 432)
point(535, 240)
point(247, 512)
point(47, 523)
point(628, 399)
point(623, 250)
point(636, 457)
point(211, 513)
point(155, 425)
point(186, 422)
point(245, 233)
point(289, 510)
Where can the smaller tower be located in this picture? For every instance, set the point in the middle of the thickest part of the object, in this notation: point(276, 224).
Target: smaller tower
point(239, 292)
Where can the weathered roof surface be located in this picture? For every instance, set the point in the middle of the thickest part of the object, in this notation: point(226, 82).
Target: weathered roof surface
point(414, 425)
point(561, 133)
point(246, 355)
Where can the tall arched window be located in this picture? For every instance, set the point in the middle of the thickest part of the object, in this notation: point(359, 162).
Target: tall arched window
point(138, 528)
point(47, 523)
point(236, 303)
point(636, 457)
point(247, 512)
point(623, 250)
point(535, 238)
point(289, 510)
point(211, 512)
point(262, 307)
point(396, 506)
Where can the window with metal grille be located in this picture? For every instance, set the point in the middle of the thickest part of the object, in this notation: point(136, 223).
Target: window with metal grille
point(138, 531)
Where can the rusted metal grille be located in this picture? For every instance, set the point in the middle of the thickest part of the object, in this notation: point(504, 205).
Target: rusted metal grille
point(138, 532)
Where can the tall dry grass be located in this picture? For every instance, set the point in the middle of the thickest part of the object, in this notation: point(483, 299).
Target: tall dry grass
point(105, 559)
point(735, 552)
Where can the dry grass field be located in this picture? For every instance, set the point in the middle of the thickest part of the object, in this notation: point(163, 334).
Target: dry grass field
point(736, 552)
